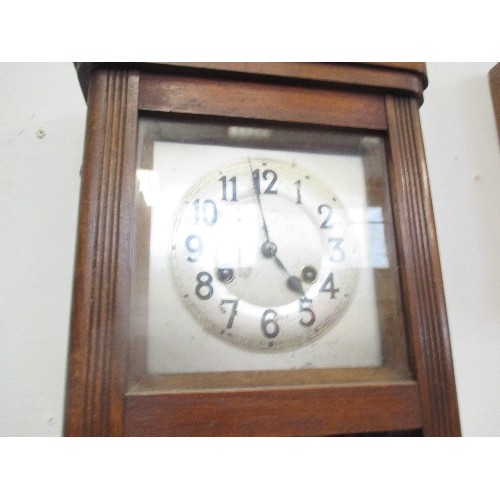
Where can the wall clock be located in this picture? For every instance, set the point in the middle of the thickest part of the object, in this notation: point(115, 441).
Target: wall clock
point(257, 255)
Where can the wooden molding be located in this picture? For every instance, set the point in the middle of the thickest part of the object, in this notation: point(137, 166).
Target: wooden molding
point(178, 94)
point(94, 384)
point(421, 271)
point(403, 78)
point(347, 409)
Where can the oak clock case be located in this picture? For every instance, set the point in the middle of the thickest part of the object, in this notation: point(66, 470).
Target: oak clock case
point(266, 251)
point(256, 254)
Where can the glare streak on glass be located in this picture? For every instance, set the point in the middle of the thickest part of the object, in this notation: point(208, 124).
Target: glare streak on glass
point(149, 186)
point(237, 241)
point(249, 133)
point(369, 227)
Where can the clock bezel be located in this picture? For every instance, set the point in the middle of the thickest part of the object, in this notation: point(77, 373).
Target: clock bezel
point(370, 148)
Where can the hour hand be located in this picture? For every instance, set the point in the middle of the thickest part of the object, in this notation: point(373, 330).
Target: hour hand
point(269, 249)
point(294, 284)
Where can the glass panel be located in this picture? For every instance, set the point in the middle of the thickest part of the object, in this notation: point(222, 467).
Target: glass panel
point(262, 248)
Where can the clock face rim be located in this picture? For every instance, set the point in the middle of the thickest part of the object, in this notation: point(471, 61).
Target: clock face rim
point(284, 314)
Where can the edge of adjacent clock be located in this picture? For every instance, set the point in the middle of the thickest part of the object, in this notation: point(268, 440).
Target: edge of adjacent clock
point(494, 80)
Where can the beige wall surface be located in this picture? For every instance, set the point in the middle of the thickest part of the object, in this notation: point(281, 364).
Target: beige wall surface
point(463, 159)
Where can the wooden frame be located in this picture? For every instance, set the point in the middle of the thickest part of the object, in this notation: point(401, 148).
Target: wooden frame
point(363, 97)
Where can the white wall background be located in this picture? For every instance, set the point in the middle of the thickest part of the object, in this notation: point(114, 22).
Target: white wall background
point(39, 194)
point(463, 159)
point(42, 120)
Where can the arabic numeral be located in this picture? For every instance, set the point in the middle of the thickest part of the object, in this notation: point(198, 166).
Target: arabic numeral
point(233, 311)
point(194, 246)
point(304, 303)
point(267, 174)
point(329, 287)
point(268, 324)
point(225, 183)
point(207, 212)
point(338, 255)
point(204, 289)
point(299, 197)
point(326, 224)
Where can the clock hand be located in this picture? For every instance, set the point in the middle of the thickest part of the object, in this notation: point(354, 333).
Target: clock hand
point(269, 248)
point(257, 195)
point(292, 282)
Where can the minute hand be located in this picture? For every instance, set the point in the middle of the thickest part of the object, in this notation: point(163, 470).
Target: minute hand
point(257, 195)
point(269, 248)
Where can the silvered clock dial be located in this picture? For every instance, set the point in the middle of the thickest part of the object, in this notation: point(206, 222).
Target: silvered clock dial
point(263, 254)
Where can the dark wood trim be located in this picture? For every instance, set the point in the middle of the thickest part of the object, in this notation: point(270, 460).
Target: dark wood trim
point(270, 379)
point(96, 371)
point(416, 67)
point(176, 94)
point(420, 271)
point(404, 78)
point(295, 411)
